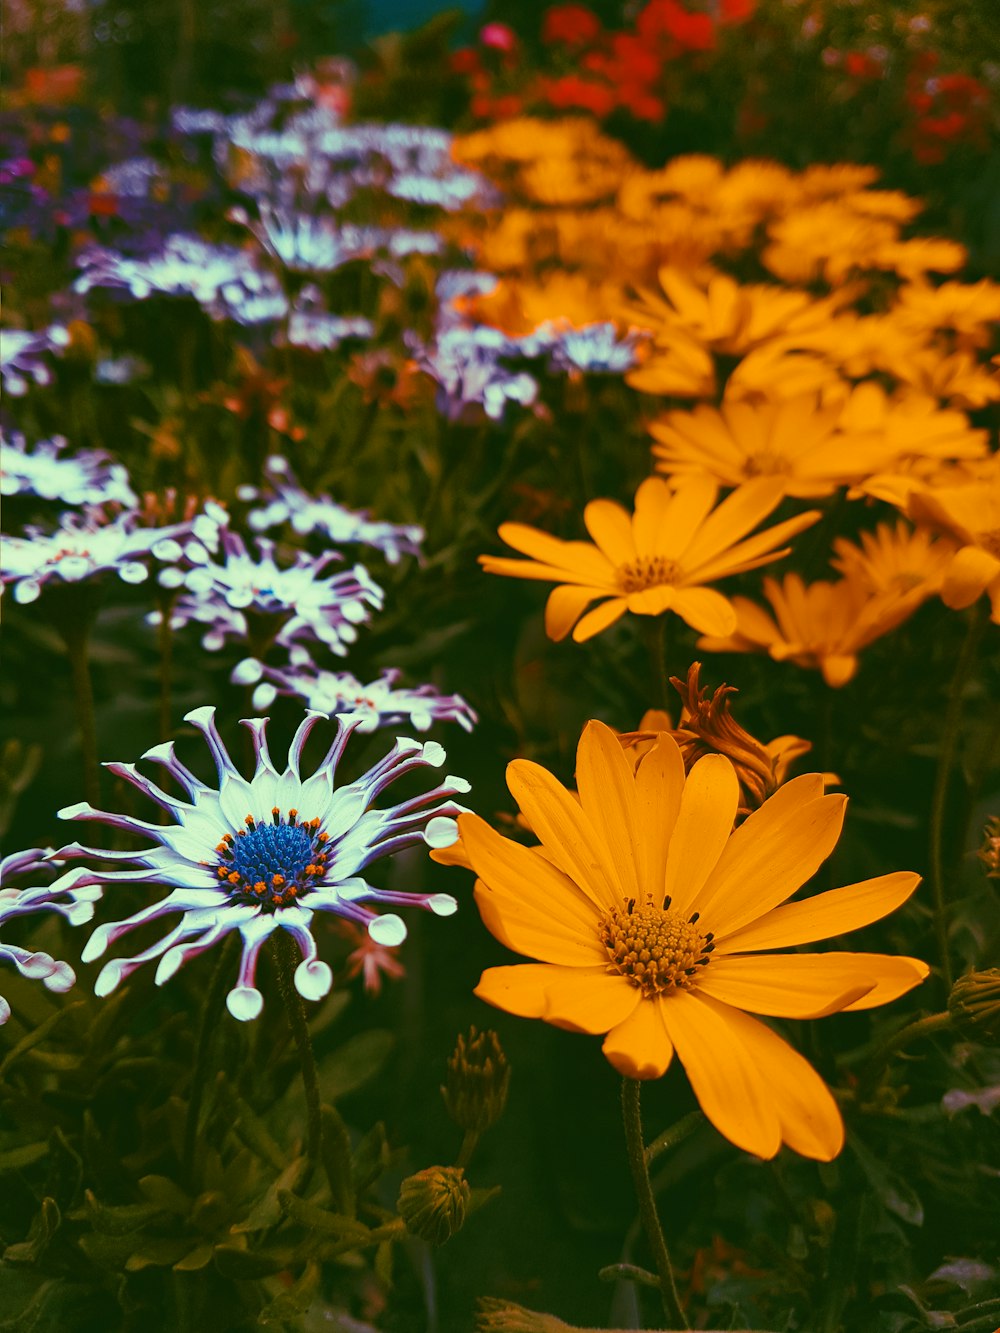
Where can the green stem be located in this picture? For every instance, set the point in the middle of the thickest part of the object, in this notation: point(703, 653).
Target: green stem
point(949, 740)
point(632, 1120)
point(656, 642)
point(468, 1147)
point(75, 631)
point(921, 1027)
point(203, 1053)
point(285, 960)
point(166, 645)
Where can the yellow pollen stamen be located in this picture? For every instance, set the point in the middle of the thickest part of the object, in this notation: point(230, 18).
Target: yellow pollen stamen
point(233, 877)
point(646, 571)
point(654, 948)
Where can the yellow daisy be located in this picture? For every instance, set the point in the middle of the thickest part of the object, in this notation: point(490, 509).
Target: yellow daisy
point(957, 377)
point(655, 924)
point(896, 559)
point(968, 309)
point(821, 625)
point(910, 425)
point(657, 560)
point(794, 441)
point(971, 515)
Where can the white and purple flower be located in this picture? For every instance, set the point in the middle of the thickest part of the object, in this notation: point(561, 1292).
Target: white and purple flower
point(85, 546)
point(244, 597)
point(62, 896)
point(267, 853)
point(24, 357)
point(287, 502)
point(379, 704)
point(87, 478)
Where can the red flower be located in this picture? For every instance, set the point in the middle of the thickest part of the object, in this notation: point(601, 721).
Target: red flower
point(465, 60)
point(572, 25)
point(666, 18)
point(635, 62)
point(737, 11)
point(572, 91)
point(860, 65)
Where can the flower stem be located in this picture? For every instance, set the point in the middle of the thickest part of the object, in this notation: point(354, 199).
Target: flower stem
point(949, 739)
point(656, 640)
point(284, 954)
point(632, 1120)
point(920, 1027)
point(166, 646)
point(203, 1052)
point(73, 621)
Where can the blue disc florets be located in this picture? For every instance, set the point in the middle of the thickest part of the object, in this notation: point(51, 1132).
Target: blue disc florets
point(272, 864)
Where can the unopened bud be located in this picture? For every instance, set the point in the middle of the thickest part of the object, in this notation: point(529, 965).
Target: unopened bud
point(974, 1005)
point(989, 853)
point(433, 1203)
point(478, 1078)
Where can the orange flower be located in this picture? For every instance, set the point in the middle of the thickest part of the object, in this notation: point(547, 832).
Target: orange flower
point(971, 515)
point(821, 625)
point(657, 560)
point(655, 924)
point(895, 560)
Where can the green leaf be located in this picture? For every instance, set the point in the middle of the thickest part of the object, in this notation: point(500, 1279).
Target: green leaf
point(198, 1258)
point(354, 1063)
point(65, 1169)
point(15, 1158)
point(120, 1219)
point(32, 1038)
point(293, 1303)
point(249, 1127)
point(267, 1211)
point(318, 1219)
point(337, 1161)
point(371, 1157)
point(245, 1265)
point(157, 1253)
point(44, 1226)
point(165, 1194)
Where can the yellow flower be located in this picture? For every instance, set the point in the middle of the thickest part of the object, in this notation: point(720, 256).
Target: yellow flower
point(957, 378)
point(821, 625)
point(563, 299)
point(825, 240)
point(724, 315)
point(685, 371)
point(910, 425)
point(895, 560)
point(657, 560)
point(654, 923)
point(796, 442)
point(971, 515)
point(968, 309)
point(860, 344)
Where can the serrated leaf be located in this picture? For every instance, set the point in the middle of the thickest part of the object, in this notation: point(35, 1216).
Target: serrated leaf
point(353, 1064)
point(370, 1158)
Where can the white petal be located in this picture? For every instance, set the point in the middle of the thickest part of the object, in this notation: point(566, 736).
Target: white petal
point(388, 929)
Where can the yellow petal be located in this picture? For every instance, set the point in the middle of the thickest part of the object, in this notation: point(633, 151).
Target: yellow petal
point(560, 823)
point(582, 999)
point(809, 1118)
point(826, 914)
point(610, 525)
point(971, 571)
point(564, 607)
point(738, 513)
point(639, 1047)
point(838, 668)
point(659, 782)
point(653, 501)
point(705, 610)
point(731, 1090)
point(704, 823)
point(607, 792)
point(773, 853)
point(685, 515)
point(784, 985)
point(580, 556)
point(895, 975)
point(600, 619)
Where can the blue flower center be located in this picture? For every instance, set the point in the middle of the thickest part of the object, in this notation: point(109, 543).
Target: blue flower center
point(272, 864)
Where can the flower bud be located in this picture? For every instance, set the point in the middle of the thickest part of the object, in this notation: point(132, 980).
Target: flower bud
point(989, 853)
point(478, 1078)
point(433, 1203)
point(974, 1005)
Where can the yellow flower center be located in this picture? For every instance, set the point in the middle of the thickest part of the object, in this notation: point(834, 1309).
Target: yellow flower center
point(654, 948)
point(766, 463)
point(646, 571)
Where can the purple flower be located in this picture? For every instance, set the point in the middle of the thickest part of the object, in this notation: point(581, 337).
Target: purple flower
point(467, 365)
point(84, 546)
point(24, 356)
point(87, 478)
point(62, 896)
point(241, 594)
point(182, 266)
point(287, 502)
point(267, 853)
point(595, 349)
point(379, 704)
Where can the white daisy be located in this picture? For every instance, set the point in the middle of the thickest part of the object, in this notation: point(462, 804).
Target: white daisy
point(267, 853)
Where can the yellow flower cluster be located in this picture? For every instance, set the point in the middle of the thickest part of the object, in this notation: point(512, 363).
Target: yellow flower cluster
point(852, 370)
